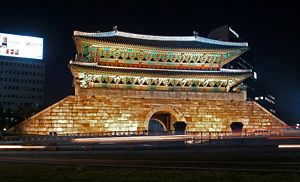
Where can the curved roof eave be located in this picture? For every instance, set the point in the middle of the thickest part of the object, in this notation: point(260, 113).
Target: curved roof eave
point(221, 71)
point(160, 38)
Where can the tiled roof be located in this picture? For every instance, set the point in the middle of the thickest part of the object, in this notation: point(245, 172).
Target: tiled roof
point(187, 42)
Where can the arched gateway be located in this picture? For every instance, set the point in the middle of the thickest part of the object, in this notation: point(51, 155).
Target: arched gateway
point(124, 80)
point(163, 117)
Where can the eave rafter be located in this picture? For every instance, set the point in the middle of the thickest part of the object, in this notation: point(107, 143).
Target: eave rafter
point(98, 76)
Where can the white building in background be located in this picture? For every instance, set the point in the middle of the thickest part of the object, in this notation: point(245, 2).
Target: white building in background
point(22, 71)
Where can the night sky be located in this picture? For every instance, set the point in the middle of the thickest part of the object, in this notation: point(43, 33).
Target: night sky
point(271, 29)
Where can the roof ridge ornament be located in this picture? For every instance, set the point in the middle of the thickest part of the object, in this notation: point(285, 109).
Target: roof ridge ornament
point(115, 28)
point(195, 33)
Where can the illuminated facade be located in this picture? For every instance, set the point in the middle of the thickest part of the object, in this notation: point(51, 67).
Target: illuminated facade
point(133, 82)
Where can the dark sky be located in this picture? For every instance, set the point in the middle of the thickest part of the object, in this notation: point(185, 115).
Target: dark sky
point(271, 28)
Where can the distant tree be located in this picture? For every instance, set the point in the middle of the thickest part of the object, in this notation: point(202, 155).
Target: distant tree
point(9, 118)
point(28, 110)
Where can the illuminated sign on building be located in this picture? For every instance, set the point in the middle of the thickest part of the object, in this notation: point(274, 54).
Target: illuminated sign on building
point(21, 46)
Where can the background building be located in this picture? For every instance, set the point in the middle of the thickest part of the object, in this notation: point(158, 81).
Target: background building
point(22, 71)
point(255, 90)
point(21, 82)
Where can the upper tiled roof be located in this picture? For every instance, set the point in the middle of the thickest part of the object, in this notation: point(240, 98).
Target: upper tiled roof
point(161, 41)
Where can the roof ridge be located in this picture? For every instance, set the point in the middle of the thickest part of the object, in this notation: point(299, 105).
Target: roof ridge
point(159, 38)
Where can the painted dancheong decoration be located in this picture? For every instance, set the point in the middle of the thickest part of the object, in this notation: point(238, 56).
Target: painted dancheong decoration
point(132, 61)
point(133, 82)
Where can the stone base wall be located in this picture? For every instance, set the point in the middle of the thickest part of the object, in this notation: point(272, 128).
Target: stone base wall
point(85, 113)
point(154, 94)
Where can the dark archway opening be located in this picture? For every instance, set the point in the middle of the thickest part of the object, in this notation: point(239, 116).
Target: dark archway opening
point(180, 127)
point(164, 117)
point(156, 127)
point(236, 126)
point(159, 123)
